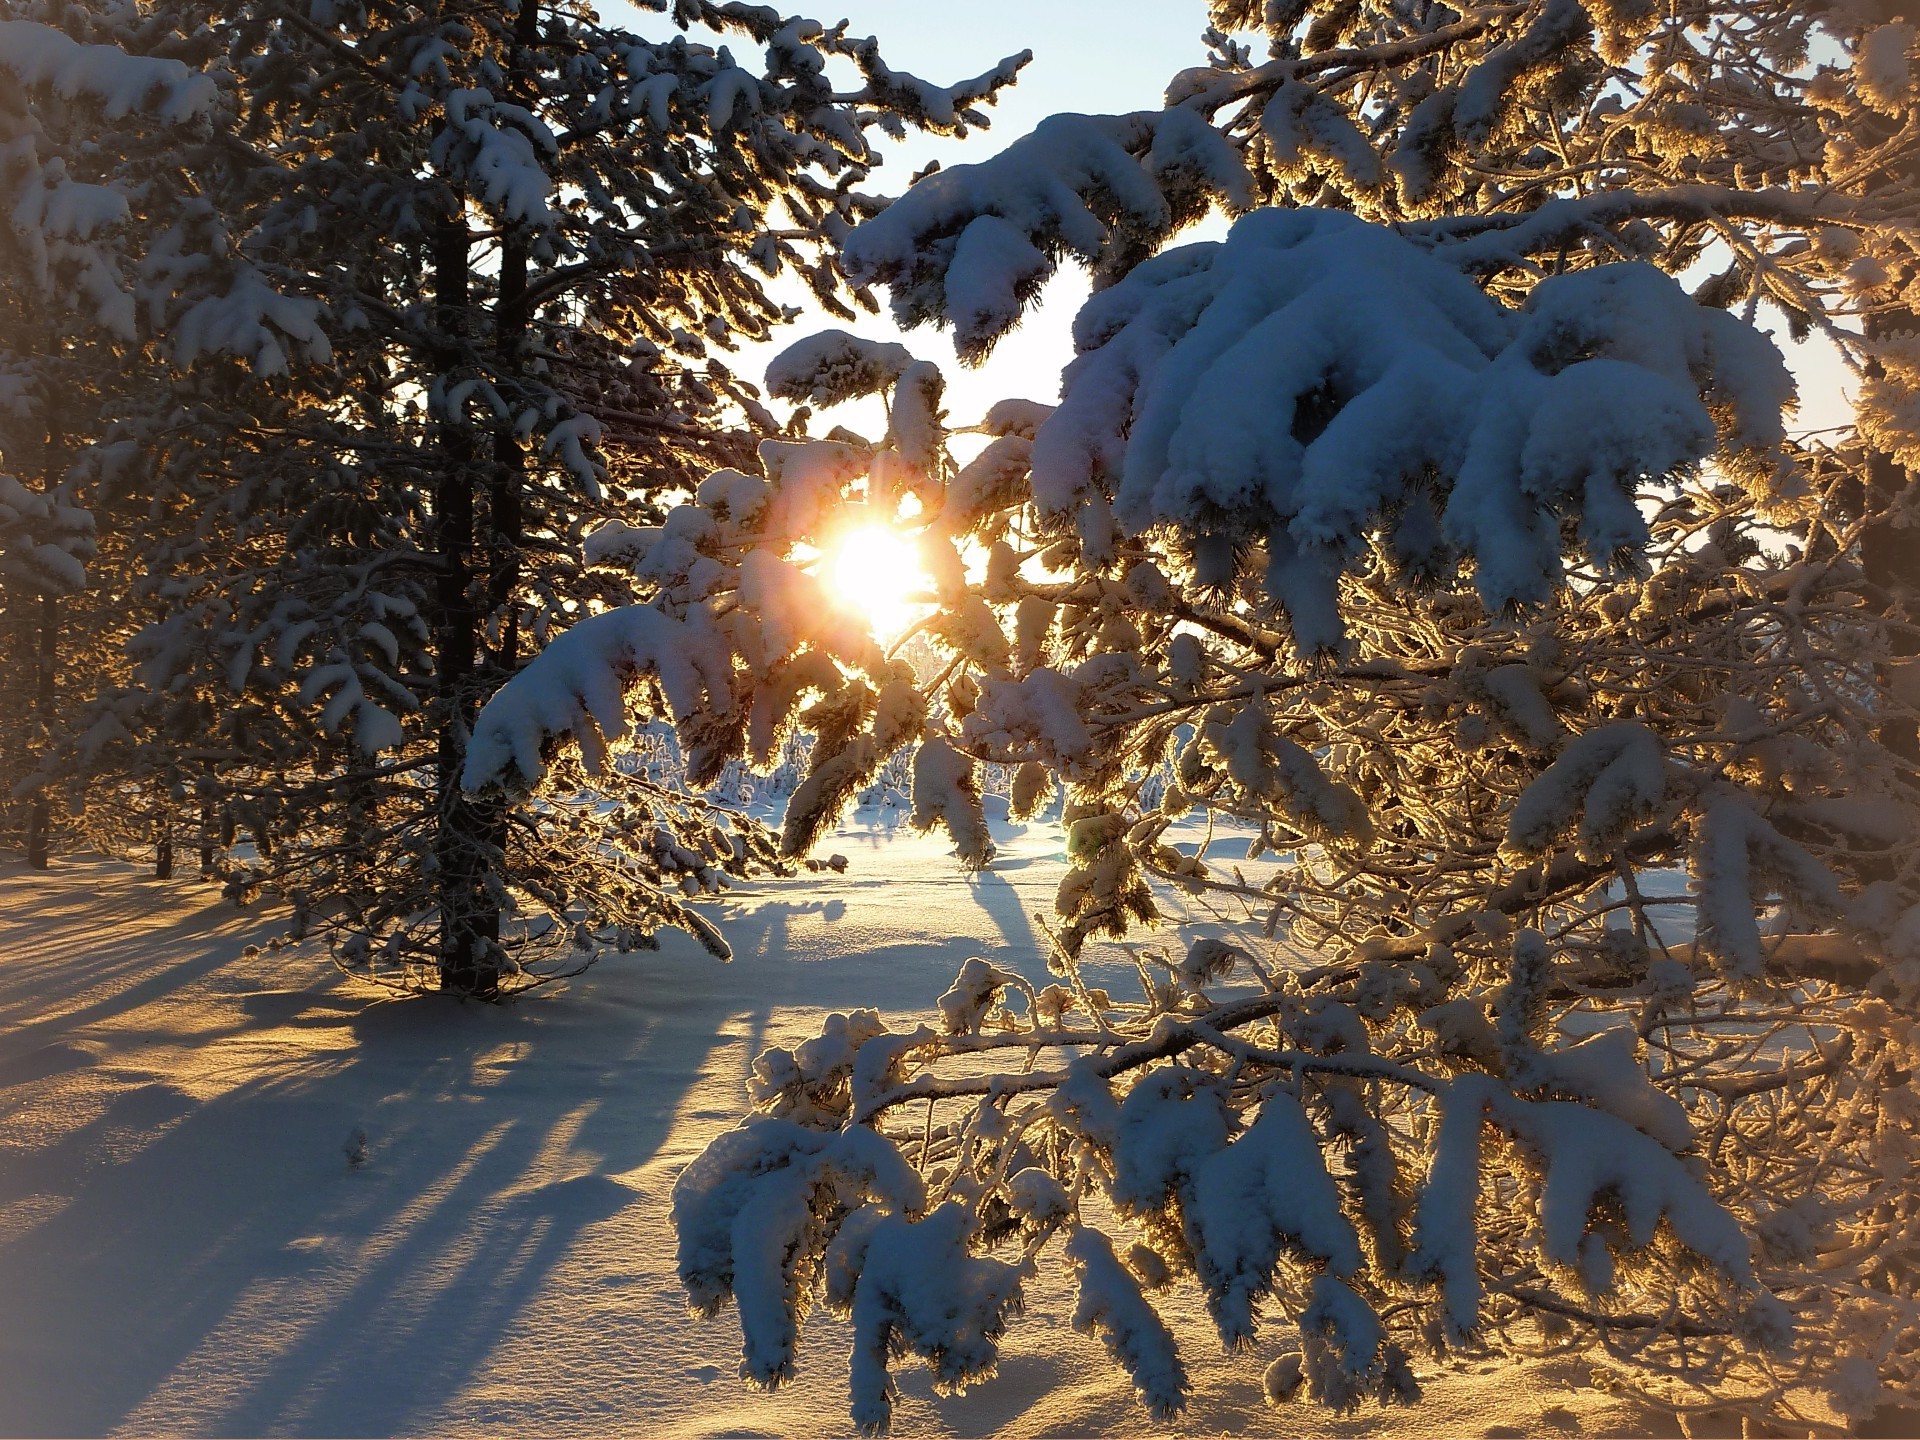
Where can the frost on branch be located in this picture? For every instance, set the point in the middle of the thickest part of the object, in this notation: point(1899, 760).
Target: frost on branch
point(1607, 780)
point(1221, 1145)
point(1738, 858)
point(1457, 1068)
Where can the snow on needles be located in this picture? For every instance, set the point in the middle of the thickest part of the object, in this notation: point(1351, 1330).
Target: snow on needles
point(972, 244)
point(1313, 377)
point(576, 687)
point(40, 57)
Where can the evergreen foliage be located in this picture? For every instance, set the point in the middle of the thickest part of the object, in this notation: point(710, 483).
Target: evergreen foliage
point(1446, 540)
point(455, 287)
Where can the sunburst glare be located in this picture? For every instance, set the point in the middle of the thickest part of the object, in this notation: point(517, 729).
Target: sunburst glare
point(877, 571)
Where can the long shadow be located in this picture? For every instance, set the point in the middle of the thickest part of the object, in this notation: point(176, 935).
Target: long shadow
point(87, 951)
point(245, 1276)
point(995, 894)
point(230, 1208)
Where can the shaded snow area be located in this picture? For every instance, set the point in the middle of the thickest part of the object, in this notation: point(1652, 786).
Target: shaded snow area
point(241, 1195)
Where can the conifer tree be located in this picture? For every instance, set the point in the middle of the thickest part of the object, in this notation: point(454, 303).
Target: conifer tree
point(528, 236)
point(1449, 545)
point(94, 130)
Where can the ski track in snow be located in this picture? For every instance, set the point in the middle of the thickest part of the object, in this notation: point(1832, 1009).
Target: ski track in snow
point(242, 1195)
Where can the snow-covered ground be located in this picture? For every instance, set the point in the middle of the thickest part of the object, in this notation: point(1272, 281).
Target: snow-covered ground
point(241, 1195)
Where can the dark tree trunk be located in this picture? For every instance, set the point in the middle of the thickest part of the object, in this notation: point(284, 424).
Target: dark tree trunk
point(510, 324)
point(46, 660)
point(47, 652)
point(464, 828)
point(209, 822)
point(1890, 555)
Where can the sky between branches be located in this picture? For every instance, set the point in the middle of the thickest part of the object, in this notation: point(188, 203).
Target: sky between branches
point(1093, 57)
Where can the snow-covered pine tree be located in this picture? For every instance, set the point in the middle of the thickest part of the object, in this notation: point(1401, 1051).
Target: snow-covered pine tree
point(531, 235)
point(1755, 149)
point(94, 128)
point(1467, 564)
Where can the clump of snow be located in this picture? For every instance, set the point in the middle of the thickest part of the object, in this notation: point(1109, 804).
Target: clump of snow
point(1883, 67)
point(1263, 1195)
point(576, 687)
point(832, 366)
point(1738, 857)
point(1312, 376)
point(1608, 779)
point(972, 244)
point(47, 540)
point(946, 792)
point(922, 1293)
point(1112, 1308)
point(40, 57)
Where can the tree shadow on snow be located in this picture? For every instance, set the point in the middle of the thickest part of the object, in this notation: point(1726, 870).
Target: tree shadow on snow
point(239, 1196)
point(343, 1241)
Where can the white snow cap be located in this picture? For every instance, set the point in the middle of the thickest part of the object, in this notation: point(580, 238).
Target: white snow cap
point(40, 57)
point(834, 366)
point(971, 245)
point(1314, 378)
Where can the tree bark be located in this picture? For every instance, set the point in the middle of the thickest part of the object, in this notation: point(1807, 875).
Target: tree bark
point(163, 845)
point(1890, 556)
point(464, 877)
point(511, 318)
point(208, 824)
point(46, 660)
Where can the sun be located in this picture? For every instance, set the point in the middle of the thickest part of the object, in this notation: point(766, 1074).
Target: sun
point(877, 571)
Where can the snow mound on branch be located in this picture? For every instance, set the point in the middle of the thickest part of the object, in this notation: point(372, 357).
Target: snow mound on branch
point(40, 57)
point(834, 366)
point(1172, 1121)
point(252, 322)
point(921, 1292)
point(1265, 1193)
point(1583, 1155)
point(1607, 779)
point(947, 792)
point(971, 245)
point(1314, 378)
point(1112, 1307)
point(1587, 1154)
point(577, 687)
point(504, 152)
point(755, 1214)
point(45, 541)
point(1603, 1070)
point(1738, 856)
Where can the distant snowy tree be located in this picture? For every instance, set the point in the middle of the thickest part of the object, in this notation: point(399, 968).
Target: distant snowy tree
point(1460, 554)
point(95, 132)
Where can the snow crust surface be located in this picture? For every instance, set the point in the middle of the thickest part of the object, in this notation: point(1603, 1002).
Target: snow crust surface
point(239, 1195)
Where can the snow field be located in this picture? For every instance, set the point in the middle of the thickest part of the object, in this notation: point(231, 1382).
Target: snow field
point(240, 1195)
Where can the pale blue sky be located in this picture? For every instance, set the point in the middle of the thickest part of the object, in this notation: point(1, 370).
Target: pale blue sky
point(1100, 58)
point(1094, 58)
